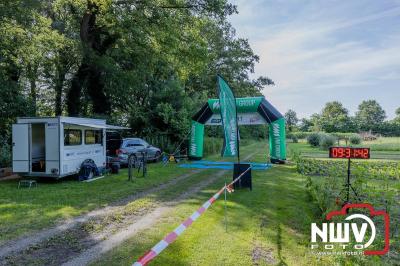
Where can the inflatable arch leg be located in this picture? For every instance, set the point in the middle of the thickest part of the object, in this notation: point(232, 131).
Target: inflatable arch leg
point(196, 141)
point(277, 141)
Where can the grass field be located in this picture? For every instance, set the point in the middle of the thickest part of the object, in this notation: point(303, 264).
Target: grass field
point(269, 225)
point(26, 210)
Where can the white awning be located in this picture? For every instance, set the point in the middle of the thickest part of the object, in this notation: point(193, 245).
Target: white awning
point(116, 127)
point(99, 126)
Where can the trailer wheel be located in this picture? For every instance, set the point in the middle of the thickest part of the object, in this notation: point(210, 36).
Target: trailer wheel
point(91, 175)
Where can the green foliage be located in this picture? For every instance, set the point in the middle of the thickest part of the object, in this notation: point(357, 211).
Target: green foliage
point(305, 124)
point(355, 139)
point(360, 169)
point(145, 64)
point(212, 145)
point(375, 182)
point(326, 141)
point(298, 134)
point(388, 128)
point(370, 115)
point(291, 119)
point(334, 118)
point(5, 153)
point(313, 139)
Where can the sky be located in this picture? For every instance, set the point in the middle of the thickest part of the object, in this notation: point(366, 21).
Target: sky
point(321, 51)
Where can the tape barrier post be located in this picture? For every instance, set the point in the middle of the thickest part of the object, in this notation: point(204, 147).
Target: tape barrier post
point(171, 237)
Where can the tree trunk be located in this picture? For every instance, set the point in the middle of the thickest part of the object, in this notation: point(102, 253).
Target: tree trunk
point(32, 82)
point(74, 93)
point(58, 88)
point(95, 88)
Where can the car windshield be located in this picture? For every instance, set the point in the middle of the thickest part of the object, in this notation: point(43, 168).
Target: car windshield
point(145, 143)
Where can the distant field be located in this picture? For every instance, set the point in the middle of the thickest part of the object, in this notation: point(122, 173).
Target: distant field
point(384, 144)
point(381, 149)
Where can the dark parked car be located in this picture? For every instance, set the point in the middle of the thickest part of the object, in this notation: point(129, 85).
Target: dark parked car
point(122, 148)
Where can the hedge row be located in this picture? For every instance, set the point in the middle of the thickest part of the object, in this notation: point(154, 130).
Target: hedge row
point(338, 168)
point(304, 135)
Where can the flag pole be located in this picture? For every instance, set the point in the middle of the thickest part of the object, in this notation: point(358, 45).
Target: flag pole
point(237, 129)
point(237, 132)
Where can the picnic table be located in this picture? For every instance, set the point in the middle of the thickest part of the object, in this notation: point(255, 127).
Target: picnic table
point(27, 183)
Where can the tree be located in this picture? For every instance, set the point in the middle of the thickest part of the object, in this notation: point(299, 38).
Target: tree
point(291, 119)
point(334, 118)
point(370, 115)
point(305, 124)
point(397, 112)
point(149, 64)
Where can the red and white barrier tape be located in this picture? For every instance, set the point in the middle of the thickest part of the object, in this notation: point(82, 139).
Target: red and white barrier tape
point(171, 237)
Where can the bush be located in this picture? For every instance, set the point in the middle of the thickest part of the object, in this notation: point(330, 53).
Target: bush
point(294, 139)
point(313, 139)
point(355, 139)
point(360, 169)
point(326, 141)
point(5, 154)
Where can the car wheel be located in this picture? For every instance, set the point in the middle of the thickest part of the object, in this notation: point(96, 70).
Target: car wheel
point(157, 156)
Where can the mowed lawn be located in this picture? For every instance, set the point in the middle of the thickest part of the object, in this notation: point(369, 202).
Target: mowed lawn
point(269, 225)
point(25, 210)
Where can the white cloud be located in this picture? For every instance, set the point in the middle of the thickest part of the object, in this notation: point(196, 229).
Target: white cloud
point(322, 58)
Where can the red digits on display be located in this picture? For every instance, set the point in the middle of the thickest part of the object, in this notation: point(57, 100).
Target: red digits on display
point(340, 153)
point(348, 152)
point(365, 153)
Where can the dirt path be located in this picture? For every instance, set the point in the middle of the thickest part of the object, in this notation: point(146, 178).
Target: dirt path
point(15, 246)
point(146, 221)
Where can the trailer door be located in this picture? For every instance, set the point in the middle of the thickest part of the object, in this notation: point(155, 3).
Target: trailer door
point(20, 148)
point(52, 149)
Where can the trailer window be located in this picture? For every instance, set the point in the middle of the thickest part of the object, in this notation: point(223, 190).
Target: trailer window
point(93, 137)
point(72, 137)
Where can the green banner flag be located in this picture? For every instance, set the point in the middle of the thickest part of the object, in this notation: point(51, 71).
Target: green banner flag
point(196, 140)
point(229, 119)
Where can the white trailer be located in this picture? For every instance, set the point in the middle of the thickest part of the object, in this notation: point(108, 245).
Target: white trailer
point(57, 146)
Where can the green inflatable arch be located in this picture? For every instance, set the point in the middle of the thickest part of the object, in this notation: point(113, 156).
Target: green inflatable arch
point(250, 111)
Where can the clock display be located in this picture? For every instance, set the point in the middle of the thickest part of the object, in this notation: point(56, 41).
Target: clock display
point(349, 152)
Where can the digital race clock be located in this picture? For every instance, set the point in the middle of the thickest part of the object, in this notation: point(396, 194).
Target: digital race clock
point(349, 153)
